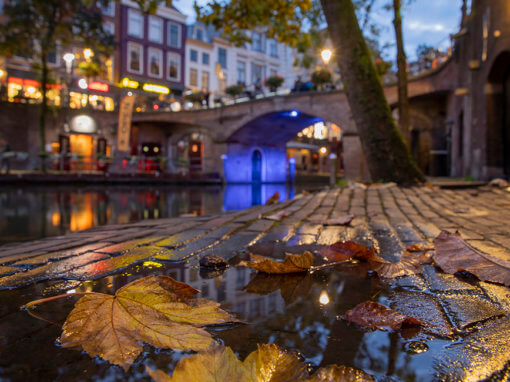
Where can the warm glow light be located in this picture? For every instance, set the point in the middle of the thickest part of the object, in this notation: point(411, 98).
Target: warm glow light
point(99, 86)
point(326, 55)
point(152, 264)
point(324, 298)
point(294, 113)
point(156, 88)
point(31, 90)
point(68, 58)
point(55, 219)
point(155, 107)
point(127, 83)
point(323, 150)
point(2, 73)
point(88, 53)
point(82, 83)
point(194, 148)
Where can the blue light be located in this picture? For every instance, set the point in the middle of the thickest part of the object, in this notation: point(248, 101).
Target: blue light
point(294, 113)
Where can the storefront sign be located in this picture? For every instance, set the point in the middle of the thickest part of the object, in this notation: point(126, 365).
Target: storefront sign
point(83, 124)
point(124, 131)
point(128, 83)
point(156, 88)
point(99, 86)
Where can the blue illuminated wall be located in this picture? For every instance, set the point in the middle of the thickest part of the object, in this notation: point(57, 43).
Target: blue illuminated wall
point(237, 164)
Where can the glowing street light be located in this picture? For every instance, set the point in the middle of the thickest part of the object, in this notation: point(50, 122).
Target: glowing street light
point(68, 58)
point(88, 53)
point(326, 55)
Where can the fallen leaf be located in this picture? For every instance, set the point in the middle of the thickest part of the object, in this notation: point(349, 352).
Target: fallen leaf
point(420, 247)
point(346, 250)
point(409, 264)
point(372, 315)
point(291, 286)
point(273, 199)
point(498, 182)
point(156, 310)
point(277, 216)
point(340, 374)
point(292, 263)
point(268, 363)
point(454, 255)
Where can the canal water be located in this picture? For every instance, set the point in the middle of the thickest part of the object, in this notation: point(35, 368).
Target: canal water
point(298, 312)
point(29, 213)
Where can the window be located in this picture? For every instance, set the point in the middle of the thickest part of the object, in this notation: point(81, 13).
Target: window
point(174, 35)
point(135, 54)
point(257, 42)
point(193, 55)
point(273, 72)
point(155, 29)
point(174, 66)
point(193, 77)
point(241, 72)
point(222, 57)
point(109, 27)
point(273, 48)
point(205, 58)
point(199, 34)
point(155, 58)
point(257, 73)
point(51, 58)
point(205, 80)
point(135, 23)
point(107, 10)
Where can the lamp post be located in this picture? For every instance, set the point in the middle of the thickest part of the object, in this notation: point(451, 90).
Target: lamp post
point(68, 59)
point(326, 56)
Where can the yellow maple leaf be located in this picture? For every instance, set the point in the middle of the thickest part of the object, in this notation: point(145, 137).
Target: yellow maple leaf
point(156, 310)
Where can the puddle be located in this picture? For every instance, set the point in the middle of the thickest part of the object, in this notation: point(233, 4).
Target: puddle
point(297, 312)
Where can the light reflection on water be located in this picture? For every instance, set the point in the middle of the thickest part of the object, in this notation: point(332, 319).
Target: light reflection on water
point(28, 213)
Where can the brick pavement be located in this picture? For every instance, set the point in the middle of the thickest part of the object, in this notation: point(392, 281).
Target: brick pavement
point(386, 217)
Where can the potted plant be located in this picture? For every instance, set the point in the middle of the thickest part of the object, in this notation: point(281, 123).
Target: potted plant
point(321, 77)
point(195, 97)
point(234, 90)
point(274, 82)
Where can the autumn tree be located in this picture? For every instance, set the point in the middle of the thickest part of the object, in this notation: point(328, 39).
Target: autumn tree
point(386, 153)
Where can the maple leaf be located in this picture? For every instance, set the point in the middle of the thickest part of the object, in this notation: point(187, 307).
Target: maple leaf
point(268, 363)
point(453, 255)
point(372, 315)
point(273, 199)
point(292, 263)
point(409, 264)
point(156, 310)
point(346, 250)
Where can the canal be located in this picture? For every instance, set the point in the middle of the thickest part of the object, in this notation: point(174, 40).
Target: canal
point(34, 212)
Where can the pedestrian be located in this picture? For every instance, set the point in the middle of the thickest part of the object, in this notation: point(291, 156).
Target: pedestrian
point(5, 151)
point(207, 95)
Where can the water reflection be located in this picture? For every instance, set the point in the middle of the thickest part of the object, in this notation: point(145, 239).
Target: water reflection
point(28, 213)
point(288, 311)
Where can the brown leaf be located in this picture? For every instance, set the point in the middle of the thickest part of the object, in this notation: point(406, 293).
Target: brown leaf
point(372, 315)
point(409, 264)
point(346, 250)
point(268, 363)
point(340, 374)
point(277, 216)
point(454, 255)
point(157, 310)
point(291, 286)
point(420, 247)
point(273, 199)
point(291, 264)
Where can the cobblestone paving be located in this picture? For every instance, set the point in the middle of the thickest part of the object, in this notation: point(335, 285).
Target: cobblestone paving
point(389, 218)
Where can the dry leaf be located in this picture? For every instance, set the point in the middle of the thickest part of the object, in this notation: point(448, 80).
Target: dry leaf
point(156, 310)
point(372, 315)
point(420, 247)
point(346, 250)
point(277, 216)
point(291, 264)
point(454, 255)
point(409, 264)
point(268, 363)
point(273, 199)
point(334, 373)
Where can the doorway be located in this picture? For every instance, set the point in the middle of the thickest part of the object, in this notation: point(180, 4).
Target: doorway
point(256, 167)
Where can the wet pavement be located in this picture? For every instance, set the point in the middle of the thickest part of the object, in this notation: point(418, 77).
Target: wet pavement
point(467, 322)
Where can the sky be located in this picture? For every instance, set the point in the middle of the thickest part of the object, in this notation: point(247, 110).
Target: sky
point(425, 21)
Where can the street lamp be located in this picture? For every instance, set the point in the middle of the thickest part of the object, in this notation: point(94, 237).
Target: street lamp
point(88, 54)
point(326, 55)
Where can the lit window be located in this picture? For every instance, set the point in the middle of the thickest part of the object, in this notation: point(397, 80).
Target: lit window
point(174, 35)
point(135, 53)
point(135, 23)
point(155, 29)
point(205, 58)
point(222, 57)
point(155, 62)
point(193, 77)
point(193, 55)
point(205, 80)
point(174, 66)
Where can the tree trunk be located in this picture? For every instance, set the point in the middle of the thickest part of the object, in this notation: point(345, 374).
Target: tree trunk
point(386, 153)
point(43, 112)
point(404, 119)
